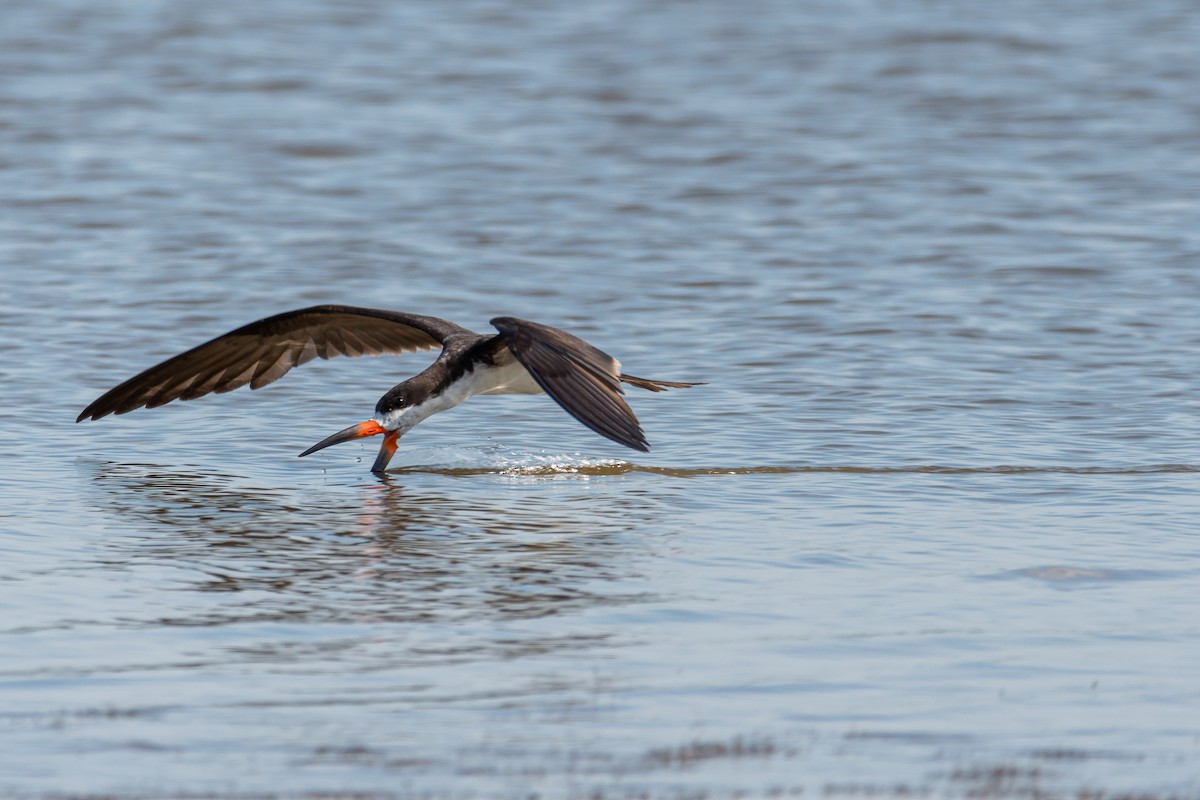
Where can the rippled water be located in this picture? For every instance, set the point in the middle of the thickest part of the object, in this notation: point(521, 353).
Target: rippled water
point(929, 528)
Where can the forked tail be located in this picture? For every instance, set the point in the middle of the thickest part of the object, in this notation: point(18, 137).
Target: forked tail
point(654, 386)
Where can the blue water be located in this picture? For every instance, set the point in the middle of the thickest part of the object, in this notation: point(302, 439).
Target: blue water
point(930, 527)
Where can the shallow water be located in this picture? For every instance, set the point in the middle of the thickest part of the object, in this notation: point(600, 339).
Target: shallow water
point(929, 528)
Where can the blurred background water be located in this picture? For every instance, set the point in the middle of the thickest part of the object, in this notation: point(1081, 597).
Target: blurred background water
point(929, 528)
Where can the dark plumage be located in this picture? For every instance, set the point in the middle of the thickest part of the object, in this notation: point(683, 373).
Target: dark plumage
point(525, 358)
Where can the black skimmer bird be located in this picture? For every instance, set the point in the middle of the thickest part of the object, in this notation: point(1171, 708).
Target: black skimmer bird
point(524, 358)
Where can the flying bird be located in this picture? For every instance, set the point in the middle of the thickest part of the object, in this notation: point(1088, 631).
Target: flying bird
point(523, 358)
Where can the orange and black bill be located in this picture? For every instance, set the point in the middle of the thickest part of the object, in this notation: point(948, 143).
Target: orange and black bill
point(360, 431)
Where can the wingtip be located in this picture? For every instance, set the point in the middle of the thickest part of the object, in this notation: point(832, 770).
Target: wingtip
point(641, 445)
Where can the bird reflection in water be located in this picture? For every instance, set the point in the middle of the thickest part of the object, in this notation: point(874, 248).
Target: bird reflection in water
point(382, 551)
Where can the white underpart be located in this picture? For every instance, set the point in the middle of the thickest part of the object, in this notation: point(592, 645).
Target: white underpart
point(511, 378)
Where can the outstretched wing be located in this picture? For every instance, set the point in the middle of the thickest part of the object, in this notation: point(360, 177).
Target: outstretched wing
point(583, 380)
point(264, 351)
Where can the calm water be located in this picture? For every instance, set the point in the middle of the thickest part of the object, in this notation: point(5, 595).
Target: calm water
point(931, 527)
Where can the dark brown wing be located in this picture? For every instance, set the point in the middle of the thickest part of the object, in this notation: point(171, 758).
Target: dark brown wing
point(264, 351)
point(583, 380)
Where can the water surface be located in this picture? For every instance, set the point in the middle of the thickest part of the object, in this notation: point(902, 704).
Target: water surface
point(929, 528)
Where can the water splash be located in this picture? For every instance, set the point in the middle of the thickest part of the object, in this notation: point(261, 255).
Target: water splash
point(498, 460)
point(518, 463)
